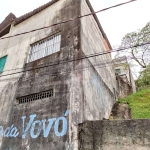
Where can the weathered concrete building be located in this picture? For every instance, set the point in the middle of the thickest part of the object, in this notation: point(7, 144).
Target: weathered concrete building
point(50, 80)
point(125, 81)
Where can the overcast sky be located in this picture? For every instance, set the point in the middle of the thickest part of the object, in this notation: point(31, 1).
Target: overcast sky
point(115, 22)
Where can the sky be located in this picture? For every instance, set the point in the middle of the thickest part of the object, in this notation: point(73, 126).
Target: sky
point(116, 22)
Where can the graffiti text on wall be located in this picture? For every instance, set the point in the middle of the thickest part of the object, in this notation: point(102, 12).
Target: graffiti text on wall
point(39, 125)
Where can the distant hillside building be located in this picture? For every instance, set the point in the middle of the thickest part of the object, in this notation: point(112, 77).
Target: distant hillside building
point(126, 83)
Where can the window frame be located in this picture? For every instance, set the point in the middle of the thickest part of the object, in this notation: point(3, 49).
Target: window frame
point(51, 45)
point(4, 63)
point(118, 72)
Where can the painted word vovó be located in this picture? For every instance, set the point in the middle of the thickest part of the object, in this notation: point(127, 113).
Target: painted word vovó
point(42, 126)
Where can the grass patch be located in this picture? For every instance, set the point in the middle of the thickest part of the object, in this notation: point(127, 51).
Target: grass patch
point(139, 103)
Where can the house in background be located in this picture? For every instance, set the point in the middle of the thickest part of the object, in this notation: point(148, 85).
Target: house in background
point(47, 85)
point(126, 83)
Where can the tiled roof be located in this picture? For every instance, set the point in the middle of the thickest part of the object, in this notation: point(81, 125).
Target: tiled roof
point(35, 11)
point(7, 21)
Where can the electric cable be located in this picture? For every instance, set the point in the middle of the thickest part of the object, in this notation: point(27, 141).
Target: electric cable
point(95, 54)
point(67, 61)
point(71, 60)
point(66, 21)
point(83, 68)
point(79, 69)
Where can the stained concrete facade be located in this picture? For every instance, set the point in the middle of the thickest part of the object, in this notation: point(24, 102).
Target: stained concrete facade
point(83, 89)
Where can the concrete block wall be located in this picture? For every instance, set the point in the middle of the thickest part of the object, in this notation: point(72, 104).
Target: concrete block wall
point(114, 135)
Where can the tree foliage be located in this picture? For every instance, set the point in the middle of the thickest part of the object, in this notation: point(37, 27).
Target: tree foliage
point(141, 54)
point(144, 78)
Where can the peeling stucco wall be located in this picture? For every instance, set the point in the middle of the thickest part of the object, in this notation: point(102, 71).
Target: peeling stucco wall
point(92, 42)
point(99, 81)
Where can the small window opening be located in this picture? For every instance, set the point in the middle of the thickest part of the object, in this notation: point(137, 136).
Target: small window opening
point(118, 71)
point(34, 97)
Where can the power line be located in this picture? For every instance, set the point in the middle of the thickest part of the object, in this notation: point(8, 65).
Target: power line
point(69, 20)
point(83, 68)
point(71, 60)
point(103, 62)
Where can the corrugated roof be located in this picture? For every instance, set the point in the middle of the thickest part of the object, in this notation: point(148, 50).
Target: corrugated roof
point(35, 11)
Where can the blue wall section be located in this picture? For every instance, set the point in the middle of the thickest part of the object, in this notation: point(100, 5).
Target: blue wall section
point(2, 63)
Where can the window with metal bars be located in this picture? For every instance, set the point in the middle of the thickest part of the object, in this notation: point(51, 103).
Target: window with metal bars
point(45, 47)
point(34, 97)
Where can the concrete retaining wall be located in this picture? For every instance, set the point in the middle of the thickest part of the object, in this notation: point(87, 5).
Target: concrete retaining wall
point(115, 135)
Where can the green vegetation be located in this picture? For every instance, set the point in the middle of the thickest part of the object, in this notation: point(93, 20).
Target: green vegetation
point(144, 78)
point(139, 103)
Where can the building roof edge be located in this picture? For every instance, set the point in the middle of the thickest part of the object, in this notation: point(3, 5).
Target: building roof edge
point(98, 22)
point(35, 11)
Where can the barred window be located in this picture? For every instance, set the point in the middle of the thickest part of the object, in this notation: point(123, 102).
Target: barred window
point(34, 97)
point(45, 47)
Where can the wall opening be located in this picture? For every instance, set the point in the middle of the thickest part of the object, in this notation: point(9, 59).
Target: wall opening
point(34, 97)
